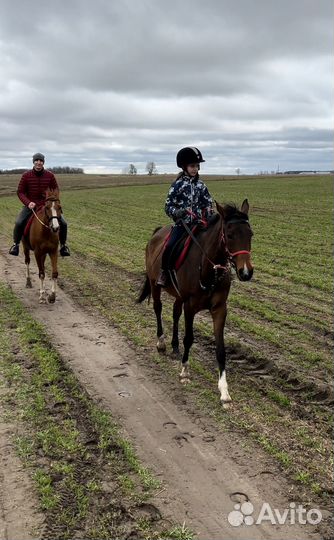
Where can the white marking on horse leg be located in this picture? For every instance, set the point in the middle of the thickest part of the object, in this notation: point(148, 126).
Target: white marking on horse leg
point(185, 372)
point(52, 295)
point(223, 388)
point(161, 344)
point(42, 294)
point(55, 222)
point(54, 286)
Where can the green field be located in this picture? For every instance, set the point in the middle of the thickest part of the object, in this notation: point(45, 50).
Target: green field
point(279, 325)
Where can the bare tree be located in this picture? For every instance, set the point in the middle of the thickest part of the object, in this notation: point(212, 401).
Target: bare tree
point(132, 169)
point(237, 171)
point(151, 168)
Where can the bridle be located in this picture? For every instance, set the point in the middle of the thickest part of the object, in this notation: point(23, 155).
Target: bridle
point(49, 218)
point(229, 255)
point(241, 251)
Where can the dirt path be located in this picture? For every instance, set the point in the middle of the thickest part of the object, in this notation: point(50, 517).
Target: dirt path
point(204, 473)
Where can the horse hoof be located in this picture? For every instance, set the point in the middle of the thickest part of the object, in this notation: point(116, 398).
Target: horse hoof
point(176, 353)
point(52, 298)
point(185, 380)
point(161, 345)
point(226, 405)
point(42, 301)
point(28, 284)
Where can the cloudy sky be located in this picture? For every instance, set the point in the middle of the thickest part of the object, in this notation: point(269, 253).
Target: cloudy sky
point(103, 84)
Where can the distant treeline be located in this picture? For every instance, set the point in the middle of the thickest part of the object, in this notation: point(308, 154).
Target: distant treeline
point(55, 170)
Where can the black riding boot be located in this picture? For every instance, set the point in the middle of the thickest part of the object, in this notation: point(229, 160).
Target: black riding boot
point(64, 250)
point(20, 224)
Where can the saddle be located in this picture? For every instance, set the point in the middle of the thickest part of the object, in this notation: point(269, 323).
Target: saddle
point(181, 248)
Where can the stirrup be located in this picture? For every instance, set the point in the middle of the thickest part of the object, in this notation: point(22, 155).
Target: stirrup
point(64, 251)
point(14, 250)
point(163, 278)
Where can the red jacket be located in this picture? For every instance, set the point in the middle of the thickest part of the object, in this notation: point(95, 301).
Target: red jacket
point(32, 187)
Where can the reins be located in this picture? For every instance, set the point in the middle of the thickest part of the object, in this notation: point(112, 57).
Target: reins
point(41, 222)
point(194, 239)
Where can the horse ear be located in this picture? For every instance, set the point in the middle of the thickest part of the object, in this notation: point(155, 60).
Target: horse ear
point(245, 207)
point(220, 208)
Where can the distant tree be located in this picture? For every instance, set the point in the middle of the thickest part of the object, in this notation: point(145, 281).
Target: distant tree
point(237, 171)
point(66, 170)
point(132, 169)
point(151, 168)
point(55, 170)
point(12, 171)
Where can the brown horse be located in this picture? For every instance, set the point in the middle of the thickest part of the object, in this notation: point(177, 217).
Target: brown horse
point(43, 240)
point(203, 281)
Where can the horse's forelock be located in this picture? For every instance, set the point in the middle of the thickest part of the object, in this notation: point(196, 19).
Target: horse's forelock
point(232, 211)
point(52, 193)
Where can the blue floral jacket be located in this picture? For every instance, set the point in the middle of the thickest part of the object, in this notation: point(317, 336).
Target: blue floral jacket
point(188, 193)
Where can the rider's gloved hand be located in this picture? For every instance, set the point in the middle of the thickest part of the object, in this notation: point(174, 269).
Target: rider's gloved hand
point(31, 205)
point(179, 214)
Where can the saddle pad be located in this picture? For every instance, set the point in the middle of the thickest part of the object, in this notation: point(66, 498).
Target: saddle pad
point(28, 225)
point(180, 250)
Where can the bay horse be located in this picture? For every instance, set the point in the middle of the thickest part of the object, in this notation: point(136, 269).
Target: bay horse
point(203, 281)
point(43, 239)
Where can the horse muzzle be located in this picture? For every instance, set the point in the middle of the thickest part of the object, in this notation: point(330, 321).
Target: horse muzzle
point(243, 265)
point(245, 273)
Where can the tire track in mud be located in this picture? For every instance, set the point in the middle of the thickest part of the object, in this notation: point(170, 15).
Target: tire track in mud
point(201, 468)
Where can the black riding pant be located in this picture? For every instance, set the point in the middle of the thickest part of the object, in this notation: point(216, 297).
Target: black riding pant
point(176, 234)
point(22, 220)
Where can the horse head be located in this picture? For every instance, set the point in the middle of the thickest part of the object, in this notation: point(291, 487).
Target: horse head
point(237, 235)
point(52, 209)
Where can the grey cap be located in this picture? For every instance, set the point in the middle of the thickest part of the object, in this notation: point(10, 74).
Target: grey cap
point(37, 156)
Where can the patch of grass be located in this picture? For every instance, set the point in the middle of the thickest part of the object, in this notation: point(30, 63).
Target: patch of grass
point(279, 398)
point(49, 498)
point(272, 449)
point(303, 477)
point(180, 533)
point(24, 447)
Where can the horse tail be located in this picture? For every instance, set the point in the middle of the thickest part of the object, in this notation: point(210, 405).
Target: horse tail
point(145, 292)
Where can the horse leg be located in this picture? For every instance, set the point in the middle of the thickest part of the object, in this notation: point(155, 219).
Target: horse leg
point(219, 317)
point(54, 259)
point(27, 263)
point(177, 311)
point(157, 306)
point(188, 340)
point(40, 259)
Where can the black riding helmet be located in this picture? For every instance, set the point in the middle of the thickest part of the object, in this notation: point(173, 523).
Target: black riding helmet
point(187, 155)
